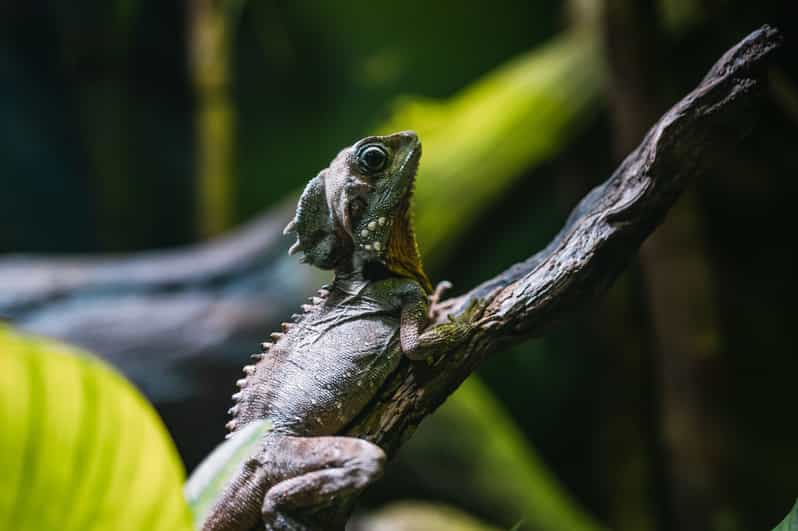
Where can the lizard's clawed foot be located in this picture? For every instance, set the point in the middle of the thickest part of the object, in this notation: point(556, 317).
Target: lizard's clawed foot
point(327, 467)
point(475, 318)
point(435, 307)
point(489, 322)
point(291, 478)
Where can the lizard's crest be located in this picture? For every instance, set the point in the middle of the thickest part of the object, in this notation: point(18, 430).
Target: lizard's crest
point(359, 208)
point(316, 234)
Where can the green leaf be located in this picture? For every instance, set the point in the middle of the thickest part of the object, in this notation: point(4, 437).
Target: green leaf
point(214, 473)
point(80, 448)
point(790, 523)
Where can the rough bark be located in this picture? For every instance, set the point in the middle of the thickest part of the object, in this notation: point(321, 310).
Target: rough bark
point(600, 237)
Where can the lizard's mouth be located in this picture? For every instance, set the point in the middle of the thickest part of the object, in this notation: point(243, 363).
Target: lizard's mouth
point(411, 159)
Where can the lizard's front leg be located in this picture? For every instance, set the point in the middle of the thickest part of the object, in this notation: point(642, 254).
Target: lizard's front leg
point(418, 340)
point(292, 474)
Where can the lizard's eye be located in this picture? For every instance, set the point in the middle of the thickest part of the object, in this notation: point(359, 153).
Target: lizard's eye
point(372, 159)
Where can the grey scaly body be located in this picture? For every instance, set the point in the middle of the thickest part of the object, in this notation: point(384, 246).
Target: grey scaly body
point(318, 374)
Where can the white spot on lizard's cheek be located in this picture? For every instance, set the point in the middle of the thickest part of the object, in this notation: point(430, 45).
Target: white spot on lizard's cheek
point(364, 233)
point(382, 221)
point(372, 225)
point(377, 246)
point(368, 247)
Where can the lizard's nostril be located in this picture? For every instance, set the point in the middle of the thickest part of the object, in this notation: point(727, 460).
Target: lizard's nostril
point(409, 136)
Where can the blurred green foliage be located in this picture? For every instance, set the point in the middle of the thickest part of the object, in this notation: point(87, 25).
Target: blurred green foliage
point(420, 516)
point(80, 448)
point(790, 522)
point(314, 76)
point(481, 140)
point(489, 466)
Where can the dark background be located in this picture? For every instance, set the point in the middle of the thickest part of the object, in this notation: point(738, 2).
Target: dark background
point(670, 404)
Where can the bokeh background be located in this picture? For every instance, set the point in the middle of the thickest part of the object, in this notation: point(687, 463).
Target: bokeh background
point(139, 126)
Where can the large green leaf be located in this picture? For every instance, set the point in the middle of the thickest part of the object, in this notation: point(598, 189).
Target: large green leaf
point(211, 477)
point(80, 448)
point(790, 523)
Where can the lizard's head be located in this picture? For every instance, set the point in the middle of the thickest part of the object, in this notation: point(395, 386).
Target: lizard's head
point(357, 211)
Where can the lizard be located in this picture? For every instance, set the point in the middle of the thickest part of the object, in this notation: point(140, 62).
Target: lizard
point(324, 367)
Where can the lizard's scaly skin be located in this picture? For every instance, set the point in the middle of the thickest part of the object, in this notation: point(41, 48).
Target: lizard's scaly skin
point(325, 367)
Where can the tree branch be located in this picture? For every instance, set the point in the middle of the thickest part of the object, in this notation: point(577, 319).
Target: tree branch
point(600, 237)
point(610, 223)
